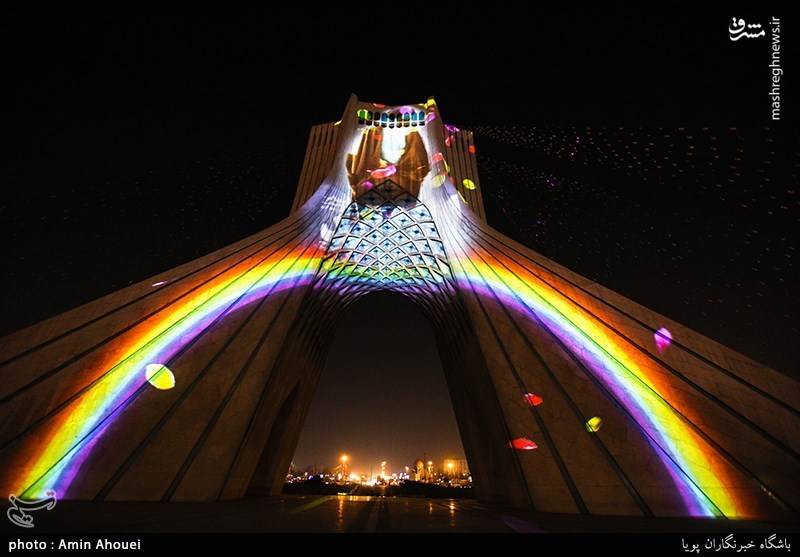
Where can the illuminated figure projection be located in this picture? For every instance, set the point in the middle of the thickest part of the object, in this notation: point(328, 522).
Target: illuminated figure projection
point(570, 398)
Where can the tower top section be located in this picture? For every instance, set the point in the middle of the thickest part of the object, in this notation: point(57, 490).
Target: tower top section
point(409, 144)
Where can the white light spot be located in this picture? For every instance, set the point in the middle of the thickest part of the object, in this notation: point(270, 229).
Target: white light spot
point(159, 376)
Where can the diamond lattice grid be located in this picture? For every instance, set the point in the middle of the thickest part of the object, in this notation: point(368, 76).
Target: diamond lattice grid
point(387, 239)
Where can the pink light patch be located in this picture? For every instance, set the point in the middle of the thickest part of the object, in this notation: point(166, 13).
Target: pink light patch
point(523, 444)
point(451, 129)
point(381, 173)
point(662, 338)
point(159, 283)
point(533, 400)
point(377, 105)
point(368, 185)
point(448, 140)
point(437, 157)
point(430, 117)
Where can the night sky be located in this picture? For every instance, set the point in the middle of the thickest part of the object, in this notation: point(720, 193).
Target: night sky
point(637, 150)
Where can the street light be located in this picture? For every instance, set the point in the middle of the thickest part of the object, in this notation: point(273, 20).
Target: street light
point(344, 458)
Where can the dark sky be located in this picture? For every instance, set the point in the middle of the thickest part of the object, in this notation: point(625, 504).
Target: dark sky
point(377, 400)
point(636, 149)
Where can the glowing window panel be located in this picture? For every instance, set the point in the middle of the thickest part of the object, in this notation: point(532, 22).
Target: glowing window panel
point(159, 376)
point(403, 117)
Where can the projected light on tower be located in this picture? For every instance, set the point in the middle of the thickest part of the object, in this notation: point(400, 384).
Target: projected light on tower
point(570, 398)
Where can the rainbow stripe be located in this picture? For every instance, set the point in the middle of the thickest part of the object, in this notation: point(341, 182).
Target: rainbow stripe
point(635, 381)
point(697, 472)
point(702, 477)
point(74, 431)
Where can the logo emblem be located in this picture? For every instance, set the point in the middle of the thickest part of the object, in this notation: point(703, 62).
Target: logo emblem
point(739, 29)
point(18, 511)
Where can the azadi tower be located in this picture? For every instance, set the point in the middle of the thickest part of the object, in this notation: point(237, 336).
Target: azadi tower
point(570, 398)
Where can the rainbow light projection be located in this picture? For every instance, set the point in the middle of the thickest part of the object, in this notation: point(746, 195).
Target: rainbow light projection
point(85, 419)
point(699, 474)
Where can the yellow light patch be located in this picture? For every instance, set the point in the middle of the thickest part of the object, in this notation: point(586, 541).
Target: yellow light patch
point(469, 184)
point(594, 424)
point(159, 376)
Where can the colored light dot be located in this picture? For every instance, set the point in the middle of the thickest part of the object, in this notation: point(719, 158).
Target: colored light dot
point(385, 172)
point(471, 149)
point(438, 180)
point(594, 424)
point(533, 399)
point(469, 184)
point(523, 444)
point(663, 339)
point(159, 376)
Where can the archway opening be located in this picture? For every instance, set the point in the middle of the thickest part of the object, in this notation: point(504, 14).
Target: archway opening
point(382, 419)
